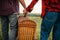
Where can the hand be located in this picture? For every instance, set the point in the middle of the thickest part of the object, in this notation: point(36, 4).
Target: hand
point(31, 9)
point(25, 12)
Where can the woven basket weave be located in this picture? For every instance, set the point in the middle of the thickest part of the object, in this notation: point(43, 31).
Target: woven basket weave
point(26, 29)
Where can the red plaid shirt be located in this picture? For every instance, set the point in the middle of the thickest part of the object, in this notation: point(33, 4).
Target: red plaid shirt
point(50, 5)
point(47, 5)
point(31, 5)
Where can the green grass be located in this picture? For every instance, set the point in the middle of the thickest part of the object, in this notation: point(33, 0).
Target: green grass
point(38, 20)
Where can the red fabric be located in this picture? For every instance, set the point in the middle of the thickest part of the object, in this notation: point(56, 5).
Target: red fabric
point(51, 5)
point(43, 9)
point(31, 5)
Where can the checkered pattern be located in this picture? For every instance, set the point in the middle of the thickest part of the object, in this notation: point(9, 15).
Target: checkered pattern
point(31, 5)
point(50, 5)
point(47, 5)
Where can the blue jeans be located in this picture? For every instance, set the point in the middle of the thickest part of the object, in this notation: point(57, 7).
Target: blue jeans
point(9, 21)
point(51, 20)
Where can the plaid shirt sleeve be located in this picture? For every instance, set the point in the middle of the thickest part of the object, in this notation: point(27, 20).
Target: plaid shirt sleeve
point(31, 5)
point(43, 9)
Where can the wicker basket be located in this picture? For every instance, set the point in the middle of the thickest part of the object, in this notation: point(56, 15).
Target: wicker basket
point(26, 29)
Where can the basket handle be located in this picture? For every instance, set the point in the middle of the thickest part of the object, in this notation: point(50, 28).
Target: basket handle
point(24, 15)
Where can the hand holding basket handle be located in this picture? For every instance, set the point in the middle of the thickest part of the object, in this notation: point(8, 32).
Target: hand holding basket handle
point(25, 12)
point(30, 7)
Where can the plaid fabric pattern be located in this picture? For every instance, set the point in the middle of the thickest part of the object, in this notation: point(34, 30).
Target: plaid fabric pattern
point(50, 5)
point(47, 5)
point(31, 5)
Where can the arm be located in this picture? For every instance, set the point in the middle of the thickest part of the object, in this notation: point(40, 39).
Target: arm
point(23, 3)
point(30, 7)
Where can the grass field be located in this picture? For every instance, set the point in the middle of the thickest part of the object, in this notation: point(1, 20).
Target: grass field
point(38, 20)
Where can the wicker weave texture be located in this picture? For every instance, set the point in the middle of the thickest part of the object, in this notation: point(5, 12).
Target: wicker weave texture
point(26, 29)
